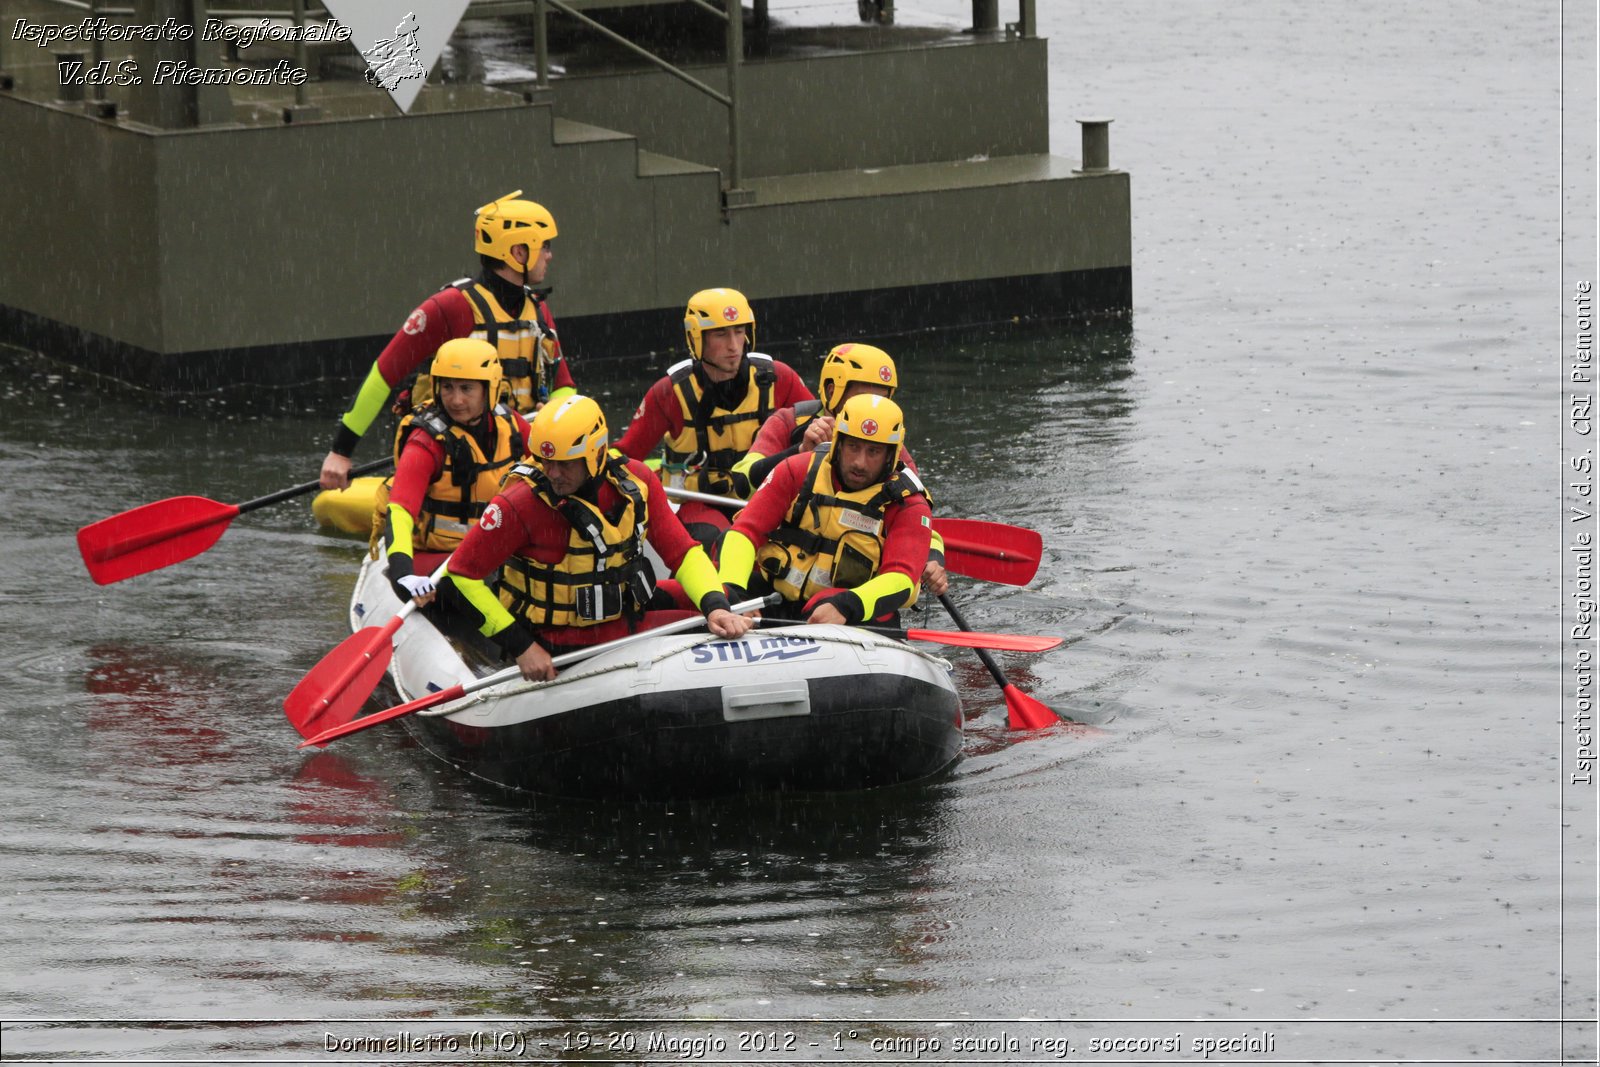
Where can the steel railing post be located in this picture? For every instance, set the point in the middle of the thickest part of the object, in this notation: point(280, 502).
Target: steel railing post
point(302, 54)
point(541, 44)
point(735, 58)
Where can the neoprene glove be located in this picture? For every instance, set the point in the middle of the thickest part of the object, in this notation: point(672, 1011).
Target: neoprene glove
point(417, 584)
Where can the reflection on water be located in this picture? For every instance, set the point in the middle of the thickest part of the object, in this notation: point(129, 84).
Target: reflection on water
point(339, 806)
point(583, 909)
point(150, 713)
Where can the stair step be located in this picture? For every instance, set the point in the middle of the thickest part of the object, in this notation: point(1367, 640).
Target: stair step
point(910, 178)
point(656, 165)
point(570, 131)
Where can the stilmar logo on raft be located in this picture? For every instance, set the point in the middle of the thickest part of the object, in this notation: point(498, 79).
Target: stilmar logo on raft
point(759, 650)
point(401, 40)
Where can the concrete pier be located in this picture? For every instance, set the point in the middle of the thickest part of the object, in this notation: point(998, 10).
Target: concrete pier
point(896, 177)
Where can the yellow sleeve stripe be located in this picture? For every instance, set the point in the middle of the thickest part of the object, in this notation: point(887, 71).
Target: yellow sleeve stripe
point(698, 575)
point(738, 559)
point(479, 595)
point(884, 586)
point(369, 401)
point(402, 527)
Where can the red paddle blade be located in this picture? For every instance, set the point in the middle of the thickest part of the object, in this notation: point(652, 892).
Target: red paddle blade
point(1025, 713)
point(443, 696)
point(990, 551)
point(335, 689)
point(153, 536)
point(979, 639)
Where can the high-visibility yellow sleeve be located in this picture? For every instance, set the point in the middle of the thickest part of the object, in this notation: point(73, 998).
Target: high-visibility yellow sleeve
point(749, 460)
point(698, 575)
point(477, 593)
point(738, 559)
point(369, 401)
point(743, 481)
point(884, 593)
point(401, 529)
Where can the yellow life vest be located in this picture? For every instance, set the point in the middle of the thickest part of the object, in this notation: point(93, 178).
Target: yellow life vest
point(832, 537)
point(804, 412)
point(713, 439)
point(604, 574)
point(527, 346)
point(469, 480)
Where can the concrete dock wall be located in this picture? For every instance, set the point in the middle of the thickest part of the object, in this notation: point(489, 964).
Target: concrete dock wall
point(281, 252)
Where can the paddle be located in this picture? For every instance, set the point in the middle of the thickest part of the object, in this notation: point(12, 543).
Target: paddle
point(333, 691)
point(988, 551)
point(968, 639)
point(455, 692)
point(170, 531)
point(1023, 712)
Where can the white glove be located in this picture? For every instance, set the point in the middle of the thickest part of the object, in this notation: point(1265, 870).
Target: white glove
point(417, 584)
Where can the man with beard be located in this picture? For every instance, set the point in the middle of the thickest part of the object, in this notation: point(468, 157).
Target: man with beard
point(707, 409)
point(841, 533)
point(567, 533)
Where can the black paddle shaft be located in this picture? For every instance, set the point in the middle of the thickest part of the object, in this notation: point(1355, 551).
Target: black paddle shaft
point(983, 653)
point(294, 491)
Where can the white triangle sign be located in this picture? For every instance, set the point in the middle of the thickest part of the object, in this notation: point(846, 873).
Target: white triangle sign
point(400, 39)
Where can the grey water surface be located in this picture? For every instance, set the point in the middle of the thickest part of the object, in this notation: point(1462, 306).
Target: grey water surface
point(1301, 535)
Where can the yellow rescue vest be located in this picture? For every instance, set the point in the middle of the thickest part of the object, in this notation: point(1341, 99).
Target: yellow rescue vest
point(832, 538)
point(527, 346)
point(604, 574)
point(713, 439)
point(469, 479)
point(804, 412)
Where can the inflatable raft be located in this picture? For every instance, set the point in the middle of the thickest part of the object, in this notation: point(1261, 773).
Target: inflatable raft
point(348, 510)
point(813, 708)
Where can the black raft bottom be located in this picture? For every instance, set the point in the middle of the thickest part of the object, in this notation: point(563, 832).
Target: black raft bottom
point(862, 732)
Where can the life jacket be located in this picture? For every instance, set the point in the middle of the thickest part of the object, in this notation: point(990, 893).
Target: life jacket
point(832, 537)
point(604, 575)
point(804, 412)
point(713, 439)
point(527, 346)
point(469, 479)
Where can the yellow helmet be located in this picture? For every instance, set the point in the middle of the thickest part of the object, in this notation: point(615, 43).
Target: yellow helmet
point(573, 429)
point(854, 363)
point(711, 309)
point(502, 224)
point(872, 418)
point(472, 359)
